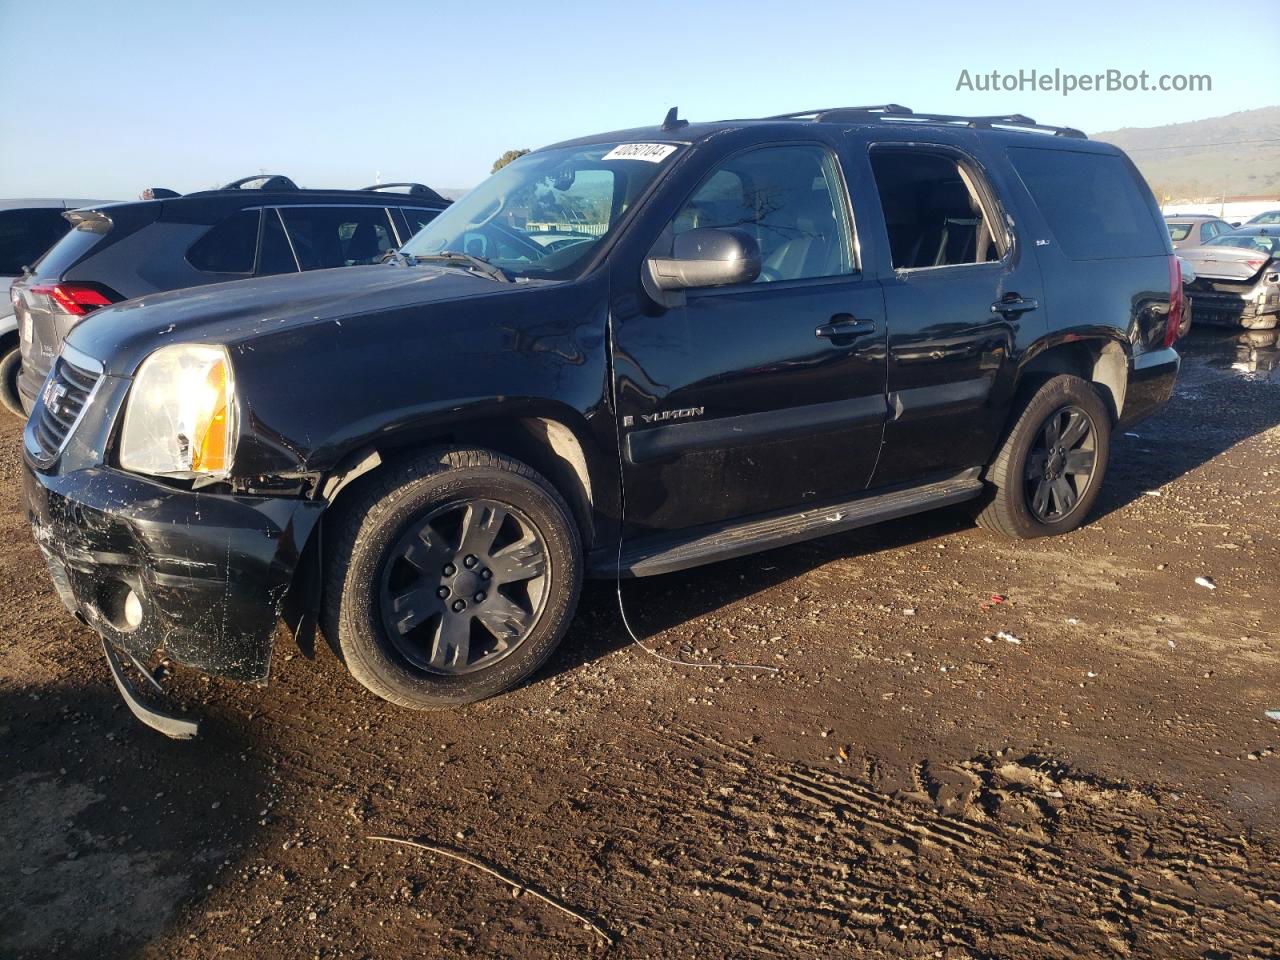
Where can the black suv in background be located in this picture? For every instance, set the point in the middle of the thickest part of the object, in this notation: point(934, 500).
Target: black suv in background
point(765, 330)
point(255, 227)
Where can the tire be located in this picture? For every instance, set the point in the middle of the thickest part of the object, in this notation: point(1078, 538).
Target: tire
point(389, 554)
point(10, 367)
point(1027, 462)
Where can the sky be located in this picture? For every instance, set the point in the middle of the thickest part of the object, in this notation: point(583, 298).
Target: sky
point(104, 99)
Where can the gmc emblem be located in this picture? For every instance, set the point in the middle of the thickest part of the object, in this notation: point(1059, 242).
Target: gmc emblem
point(54, 394)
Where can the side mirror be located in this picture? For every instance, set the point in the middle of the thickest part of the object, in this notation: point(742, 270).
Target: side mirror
point(707, 257)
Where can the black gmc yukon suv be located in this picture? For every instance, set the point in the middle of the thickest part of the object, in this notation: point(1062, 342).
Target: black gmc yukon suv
point(619, 356)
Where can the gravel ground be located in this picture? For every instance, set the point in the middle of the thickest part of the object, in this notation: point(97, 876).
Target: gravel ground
point(909, 784)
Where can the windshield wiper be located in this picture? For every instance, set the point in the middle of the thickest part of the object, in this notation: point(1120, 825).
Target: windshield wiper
point(467, 262)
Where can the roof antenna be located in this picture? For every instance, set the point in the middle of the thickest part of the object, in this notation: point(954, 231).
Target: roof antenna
point(673, 122)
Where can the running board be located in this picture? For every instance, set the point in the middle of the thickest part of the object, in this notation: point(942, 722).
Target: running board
point(667, 553)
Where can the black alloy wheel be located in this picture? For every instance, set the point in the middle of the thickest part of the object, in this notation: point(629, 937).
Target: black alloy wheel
point(1047, 473)
point(1060, 464)
point(464, 586)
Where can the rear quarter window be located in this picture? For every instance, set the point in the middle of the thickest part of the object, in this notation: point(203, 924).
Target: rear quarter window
point(229, 247)
point(74, 246)
point(1094, 204)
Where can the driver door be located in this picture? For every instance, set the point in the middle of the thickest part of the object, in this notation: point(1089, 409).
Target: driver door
point(764, 396)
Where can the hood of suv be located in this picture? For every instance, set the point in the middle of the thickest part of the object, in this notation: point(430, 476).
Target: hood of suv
point(123, 335)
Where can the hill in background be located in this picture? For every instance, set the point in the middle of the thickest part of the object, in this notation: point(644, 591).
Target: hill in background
point(1207, 158)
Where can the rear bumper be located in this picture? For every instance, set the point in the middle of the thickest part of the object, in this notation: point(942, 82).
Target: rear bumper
point(210, 571)
point(1151, 379)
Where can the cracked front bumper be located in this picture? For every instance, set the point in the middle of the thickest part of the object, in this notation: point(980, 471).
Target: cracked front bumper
point(209, 571)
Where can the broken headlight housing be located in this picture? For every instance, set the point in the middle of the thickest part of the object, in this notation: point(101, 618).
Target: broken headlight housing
point(180, 419)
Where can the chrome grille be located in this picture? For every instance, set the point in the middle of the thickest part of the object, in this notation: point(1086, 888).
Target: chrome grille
point(66, 393)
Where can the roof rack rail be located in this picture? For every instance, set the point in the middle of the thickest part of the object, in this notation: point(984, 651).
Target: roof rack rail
point(801, 114)
point(269, 181)
point(414, 189)
point(898, 113)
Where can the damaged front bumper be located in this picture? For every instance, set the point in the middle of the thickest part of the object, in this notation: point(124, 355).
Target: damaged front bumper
point(197, 576)
point(1216, 305)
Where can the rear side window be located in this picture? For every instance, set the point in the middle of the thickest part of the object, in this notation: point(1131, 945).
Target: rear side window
point(26, 234)
point(229, 247)
point(325, 237)
point(1093, 203)
point(1179, 231)
point(1214, 228)
point(932, 209)
point(418, 217)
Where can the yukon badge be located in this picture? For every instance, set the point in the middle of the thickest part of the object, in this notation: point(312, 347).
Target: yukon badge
point(684, 413)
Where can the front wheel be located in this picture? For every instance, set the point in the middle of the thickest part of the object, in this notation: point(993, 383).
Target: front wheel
point(450, 578)
point(1048, 473)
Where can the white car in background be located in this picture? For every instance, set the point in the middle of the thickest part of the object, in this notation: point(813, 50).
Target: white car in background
point(27, 229)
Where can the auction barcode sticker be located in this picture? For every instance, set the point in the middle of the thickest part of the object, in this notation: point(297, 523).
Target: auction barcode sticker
point(652, 152)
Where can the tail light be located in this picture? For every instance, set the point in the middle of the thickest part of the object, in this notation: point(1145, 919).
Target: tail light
point(1177, 302)
point(76, 299)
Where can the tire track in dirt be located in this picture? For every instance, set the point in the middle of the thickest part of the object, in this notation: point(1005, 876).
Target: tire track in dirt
point(1034, 859)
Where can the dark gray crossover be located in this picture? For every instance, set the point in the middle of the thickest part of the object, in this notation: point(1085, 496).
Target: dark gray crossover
point(28, 228)
point(764, 330)
point(256, 227)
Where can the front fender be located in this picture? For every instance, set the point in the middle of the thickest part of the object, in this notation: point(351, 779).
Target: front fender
point(310, 396)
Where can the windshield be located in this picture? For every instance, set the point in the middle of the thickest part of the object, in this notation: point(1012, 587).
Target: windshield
point(1262, 243)
point(543, 216)
point(1271, 216)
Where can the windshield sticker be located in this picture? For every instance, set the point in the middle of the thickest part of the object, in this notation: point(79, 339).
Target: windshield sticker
point(652, 152)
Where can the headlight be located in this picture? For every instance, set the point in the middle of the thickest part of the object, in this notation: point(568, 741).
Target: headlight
point(181, 415)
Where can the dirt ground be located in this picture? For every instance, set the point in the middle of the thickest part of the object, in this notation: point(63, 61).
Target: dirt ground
point(909, 783)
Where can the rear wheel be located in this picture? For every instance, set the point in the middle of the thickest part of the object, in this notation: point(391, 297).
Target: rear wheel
point(1048, 473)
point(10, 367)
point(451, 578)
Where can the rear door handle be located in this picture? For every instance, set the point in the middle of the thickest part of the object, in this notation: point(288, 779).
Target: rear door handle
point(1011, 304)
point(845, 326)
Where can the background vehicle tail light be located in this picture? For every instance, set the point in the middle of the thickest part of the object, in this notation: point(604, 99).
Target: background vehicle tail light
point(76, 299)
point(1177, 302)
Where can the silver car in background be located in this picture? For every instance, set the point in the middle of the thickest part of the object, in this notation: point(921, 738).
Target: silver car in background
point(1237, 279)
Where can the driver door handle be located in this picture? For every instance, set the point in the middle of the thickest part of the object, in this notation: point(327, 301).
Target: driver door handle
point(1011, 304)
point(844, 326)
